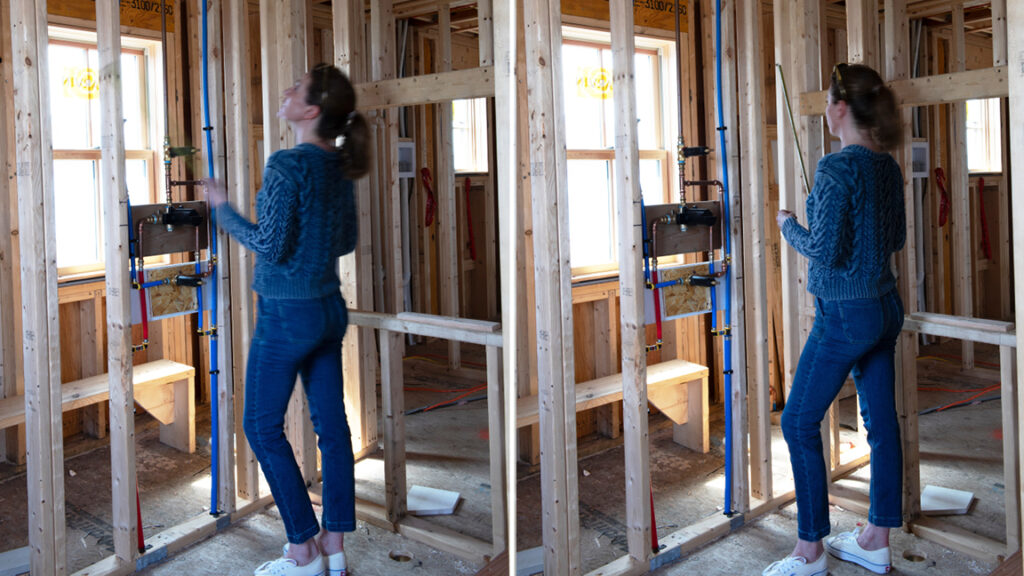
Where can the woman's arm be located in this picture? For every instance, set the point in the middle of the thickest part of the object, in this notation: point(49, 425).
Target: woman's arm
point(271, 237)
point(824, 241)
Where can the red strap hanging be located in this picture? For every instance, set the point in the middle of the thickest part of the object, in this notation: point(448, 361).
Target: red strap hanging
point(469, 222)
point(431, 202)
point(940, 180)
point(986, 247)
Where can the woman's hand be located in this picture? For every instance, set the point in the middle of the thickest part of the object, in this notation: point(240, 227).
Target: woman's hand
point(782, 216)
point(215, 192)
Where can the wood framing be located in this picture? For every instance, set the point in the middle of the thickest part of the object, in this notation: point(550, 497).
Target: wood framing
point(631, 289)
point(240, 263)
point(219, 341)
point(446, 213)
point(963, 286)
point(358, 361)
point(552, 284)
point(40, 329)
point(505, 113)
point(1015, 49)
point(751, 84)
point(11, 376)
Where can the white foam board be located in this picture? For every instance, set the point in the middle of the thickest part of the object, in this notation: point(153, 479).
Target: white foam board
point(936, 500)
point(530, 562)
point(425, 501)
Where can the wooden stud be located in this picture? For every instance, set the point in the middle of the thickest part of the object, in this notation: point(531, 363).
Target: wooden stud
point(631, 288)
point(1011, 447)
point(552, 282)
point(41, 333)
point(789, 187)
point(447, 215)
point(862, 32)
point(959, 188)
point(505, 113)
point(11, 377)
point(752, 82)
point(1015, 49)
point(221, 319)
point(356, 268)
point(999, 34)
point(897, 67)
point(496, 440)
point(392, 395)
point(240, 299)
point(485, 31)
point(736, 325)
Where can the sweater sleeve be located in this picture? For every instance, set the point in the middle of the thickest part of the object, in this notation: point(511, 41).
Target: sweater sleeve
point(272, 236)
point(823, 241)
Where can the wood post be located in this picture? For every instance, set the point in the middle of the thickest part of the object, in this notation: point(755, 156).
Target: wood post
point(240, 263)
point(631, 288)
point(393, 404)
point(555, 362)
point(505, 113)
point(754, 189)
point(447, 215)
point(358, 347)
point(959, 190)
point(41, 332)
point(1015, 68)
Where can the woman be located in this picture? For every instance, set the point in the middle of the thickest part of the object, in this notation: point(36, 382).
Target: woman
point(856, 221)
point(306, 220)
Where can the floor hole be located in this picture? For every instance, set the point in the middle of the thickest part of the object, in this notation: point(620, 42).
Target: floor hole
point(913, 556)
point(400, 556)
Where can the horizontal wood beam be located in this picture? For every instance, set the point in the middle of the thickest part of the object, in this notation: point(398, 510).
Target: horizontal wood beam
point(967, 329)
point(926, 8)
point(447, 327)
point(927, 90)
point(426, 89)
point(414, 8)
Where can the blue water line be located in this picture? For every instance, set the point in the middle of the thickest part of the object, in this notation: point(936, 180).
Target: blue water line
point(727, 342)
point(214, 419)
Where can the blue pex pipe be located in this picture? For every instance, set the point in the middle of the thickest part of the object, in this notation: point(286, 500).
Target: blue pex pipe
point(727, 342)
point(214, 419)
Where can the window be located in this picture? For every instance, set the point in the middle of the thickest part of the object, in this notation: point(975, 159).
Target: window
point(590, 141)
point(469, 135)
point(75, 121)
point(984, 136)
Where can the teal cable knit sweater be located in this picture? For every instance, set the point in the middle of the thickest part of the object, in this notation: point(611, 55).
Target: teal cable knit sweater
point(856, 221)
point(306, 220)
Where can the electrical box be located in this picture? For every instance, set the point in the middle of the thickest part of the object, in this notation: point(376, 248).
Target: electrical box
point(919, 159)
point(406, 159)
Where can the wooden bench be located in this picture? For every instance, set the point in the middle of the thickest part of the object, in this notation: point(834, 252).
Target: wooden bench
point(163, 388)
point(676, 387)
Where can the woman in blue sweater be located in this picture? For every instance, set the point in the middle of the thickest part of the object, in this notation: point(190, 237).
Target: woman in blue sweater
point(306, 220)
point(856, 221)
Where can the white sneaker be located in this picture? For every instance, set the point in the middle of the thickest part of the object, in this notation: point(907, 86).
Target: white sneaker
point(289, 567)
point(845, 547)
point(797, 566)
point(336, 564)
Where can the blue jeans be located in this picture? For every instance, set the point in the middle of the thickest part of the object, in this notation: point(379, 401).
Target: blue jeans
point(301, 337)
point(858, 336)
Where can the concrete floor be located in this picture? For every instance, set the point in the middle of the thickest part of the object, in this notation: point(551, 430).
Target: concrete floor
point(690, 486)
point(446, 448)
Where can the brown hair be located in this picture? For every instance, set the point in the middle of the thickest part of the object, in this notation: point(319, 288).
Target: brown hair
point(332, 91)
point(872, 103)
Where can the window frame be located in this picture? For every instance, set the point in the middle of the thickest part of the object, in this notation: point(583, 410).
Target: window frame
point(148, 52)
point(663, 52)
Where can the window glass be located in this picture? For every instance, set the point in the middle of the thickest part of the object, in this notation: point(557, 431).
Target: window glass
point(591, 230)
point(587, 86)
point(76, 213)
point(469, 135)
point(133, 101)
point(647, 112)
point(984, 136)
point(652, 184)
point(138, 182)
point(72, 84)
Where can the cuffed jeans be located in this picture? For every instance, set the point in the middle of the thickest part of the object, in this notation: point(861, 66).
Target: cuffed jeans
point(301, 337)
point(858, 336)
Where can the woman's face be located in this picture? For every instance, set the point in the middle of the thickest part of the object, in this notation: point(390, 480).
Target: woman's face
point(832, 113)
point(293, 101)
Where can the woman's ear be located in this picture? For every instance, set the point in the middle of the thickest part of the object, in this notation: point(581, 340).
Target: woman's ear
point(311, 112)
